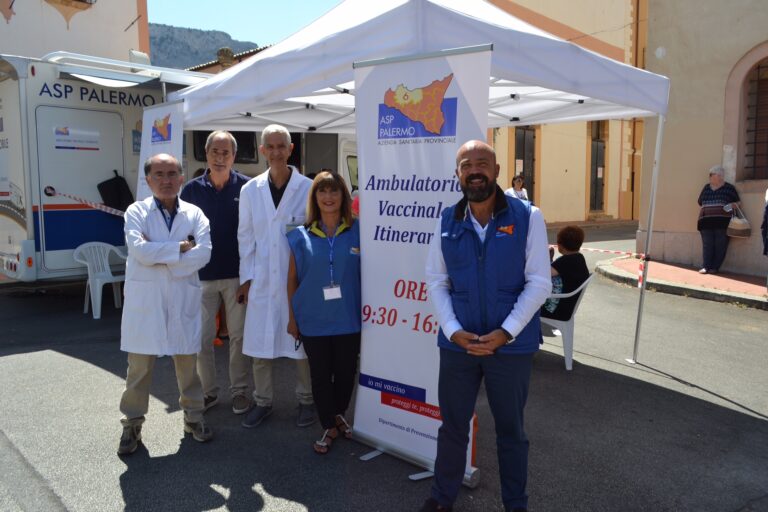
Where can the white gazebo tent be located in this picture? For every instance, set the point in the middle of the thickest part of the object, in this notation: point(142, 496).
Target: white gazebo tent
point(306, 81)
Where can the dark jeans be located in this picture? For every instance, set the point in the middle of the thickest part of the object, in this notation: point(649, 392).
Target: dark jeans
point(332, 366)
point(714, 242)
point(506, 385)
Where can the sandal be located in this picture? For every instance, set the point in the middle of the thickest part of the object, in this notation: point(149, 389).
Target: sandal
point(343, 427)
point(323, 446)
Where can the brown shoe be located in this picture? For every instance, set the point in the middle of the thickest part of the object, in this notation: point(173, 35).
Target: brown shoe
point(209, 401)
point(200, 431)
point(241, 404)
point(130, 440)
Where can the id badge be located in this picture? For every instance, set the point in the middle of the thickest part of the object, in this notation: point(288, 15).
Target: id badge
point(332, 292)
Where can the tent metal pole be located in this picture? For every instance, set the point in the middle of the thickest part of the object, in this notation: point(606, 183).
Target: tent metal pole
point(649, 231)
point(419, 56)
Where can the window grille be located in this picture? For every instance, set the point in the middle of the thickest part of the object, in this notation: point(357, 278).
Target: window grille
point(756, 154)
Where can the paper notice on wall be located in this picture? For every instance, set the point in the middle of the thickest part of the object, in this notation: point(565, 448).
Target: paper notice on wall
point(518, 166)
point(77, 139)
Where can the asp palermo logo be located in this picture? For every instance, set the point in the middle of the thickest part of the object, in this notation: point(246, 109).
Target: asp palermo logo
point(416, 113)
point(162, 130)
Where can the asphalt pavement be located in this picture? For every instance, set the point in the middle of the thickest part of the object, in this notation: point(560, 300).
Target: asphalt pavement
point(685, 428)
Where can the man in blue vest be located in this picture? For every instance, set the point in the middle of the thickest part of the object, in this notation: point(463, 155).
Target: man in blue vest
point(488, 275)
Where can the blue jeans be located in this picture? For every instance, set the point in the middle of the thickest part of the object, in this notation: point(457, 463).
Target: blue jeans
point(506, 383)
point(714, 243)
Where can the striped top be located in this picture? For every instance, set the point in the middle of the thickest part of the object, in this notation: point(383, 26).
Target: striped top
point(711, 214)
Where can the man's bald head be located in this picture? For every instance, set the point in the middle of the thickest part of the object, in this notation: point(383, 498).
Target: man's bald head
point(161, 158)
point(475, 145)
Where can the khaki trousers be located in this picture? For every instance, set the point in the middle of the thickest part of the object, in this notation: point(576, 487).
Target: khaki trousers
point(263, 392)
point(214, 292)
point(135, 401)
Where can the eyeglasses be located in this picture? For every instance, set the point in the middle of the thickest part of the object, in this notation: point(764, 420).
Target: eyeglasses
point(159, 177)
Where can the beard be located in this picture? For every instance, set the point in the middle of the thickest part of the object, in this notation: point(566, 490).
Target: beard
point(478, 194)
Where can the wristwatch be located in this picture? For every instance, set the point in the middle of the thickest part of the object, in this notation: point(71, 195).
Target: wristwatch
point(510, 338)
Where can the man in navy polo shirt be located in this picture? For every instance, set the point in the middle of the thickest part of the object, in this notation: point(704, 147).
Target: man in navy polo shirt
point(487, 275)
point(217, 193)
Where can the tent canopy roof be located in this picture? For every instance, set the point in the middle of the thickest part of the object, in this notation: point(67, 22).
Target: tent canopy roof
point(306, 81)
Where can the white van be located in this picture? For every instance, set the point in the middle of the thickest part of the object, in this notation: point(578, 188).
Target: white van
point(69, 122)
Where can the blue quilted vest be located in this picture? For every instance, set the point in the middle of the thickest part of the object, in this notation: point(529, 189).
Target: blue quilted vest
point(314, 315)
point(488, 277)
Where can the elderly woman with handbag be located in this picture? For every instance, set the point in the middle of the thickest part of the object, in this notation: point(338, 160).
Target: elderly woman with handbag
point(324, 298)
point(717, 201)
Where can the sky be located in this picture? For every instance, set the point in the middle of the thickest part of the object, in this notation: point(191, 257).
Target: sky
point(263, 22)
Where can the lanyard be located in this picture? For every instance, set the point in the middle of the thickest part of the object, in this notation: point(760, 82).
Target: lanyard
point(331, 241)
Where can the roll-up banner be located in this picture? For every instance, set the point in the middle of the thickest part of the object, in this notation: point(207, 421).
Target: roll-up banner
point(162, 131)
point(412, 113)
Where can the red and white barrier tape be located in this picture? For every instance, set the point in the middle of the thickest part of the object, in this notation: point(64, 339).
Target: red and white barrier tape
point(639, 255)
point(51, 192)
point(606, 251)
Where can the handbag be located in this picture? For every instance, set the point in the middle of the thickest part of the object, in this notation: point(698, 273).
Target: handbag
point(739, 227)
point(115, 192)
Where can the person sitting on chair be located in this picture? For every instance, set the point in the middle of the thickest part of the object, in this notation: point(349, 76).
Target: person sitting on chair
point(569, 271)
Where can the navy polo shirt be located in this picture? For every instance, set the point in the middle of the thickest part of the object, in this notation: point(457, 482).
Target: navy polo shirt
point(222, 209)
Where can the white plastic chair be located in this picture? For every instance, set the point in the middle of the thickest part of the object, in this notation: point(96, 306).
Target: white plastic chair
point(95, 256)
point(566, 327)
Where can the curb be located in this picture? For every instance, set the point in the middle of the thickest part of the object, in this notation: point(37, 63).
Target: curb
point(606, 268)
point(594, 224)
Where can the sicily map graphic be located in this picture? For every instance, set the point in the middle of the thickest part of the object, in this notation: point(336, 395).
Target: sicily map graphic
point(420, 112)
point(161, 129)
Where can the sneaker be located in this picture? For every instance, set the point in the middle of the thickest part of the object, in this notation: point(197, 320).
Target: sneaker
point(307, 415)
point(431, 505)
point(241, 404)
point(130, 440)
point(200, 431)
point(702, 271)
point(209, 401)
point(258, 414)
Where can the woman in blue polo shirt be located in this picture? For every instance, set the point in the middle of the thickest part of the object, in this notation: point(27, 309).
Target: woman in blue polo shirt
point(324, 299)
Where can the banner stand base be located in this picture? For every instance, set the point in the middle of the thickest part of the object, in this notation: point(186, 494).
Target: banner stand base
point(471, 476)
point(420, 476)
point(370, 455)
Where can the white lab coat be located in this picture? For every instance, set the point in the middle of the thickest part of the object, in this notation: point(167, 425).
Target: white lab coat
point(163, 298)
point(264, 255)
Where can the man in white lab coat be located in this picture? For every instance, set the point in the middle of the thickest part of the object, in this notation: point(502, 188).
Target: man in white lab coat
point(168, 241)
point(270, 204)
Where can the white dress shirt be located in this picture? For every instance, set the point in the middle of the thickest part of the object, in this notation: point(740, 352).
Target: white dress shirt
point(538, 282)
point(521, 194)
